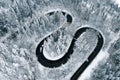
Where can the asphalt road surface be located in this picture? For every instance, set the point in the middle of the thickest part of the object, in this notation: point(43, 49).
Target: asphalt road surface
point(56, 63)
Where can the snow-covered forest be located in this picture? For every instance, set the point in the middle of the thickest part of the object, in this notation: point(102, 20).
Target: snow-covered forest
point(25, 23)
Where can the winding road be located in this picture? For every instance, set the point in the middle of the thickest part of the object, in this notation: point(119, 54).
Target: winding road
point(57, 63)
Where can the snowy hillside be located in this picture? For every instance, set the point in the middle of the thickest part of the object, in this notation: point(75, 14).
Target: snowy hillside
point(30, 27)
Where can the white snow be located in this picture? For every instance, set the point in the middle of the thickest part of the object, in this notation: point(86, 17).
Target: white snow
point(103, 55)
point(118, 2)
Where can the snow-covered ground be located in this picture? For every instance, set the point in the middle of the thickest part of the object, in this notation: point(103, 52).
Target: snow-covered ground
point(24, 23)
point(118, 2)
